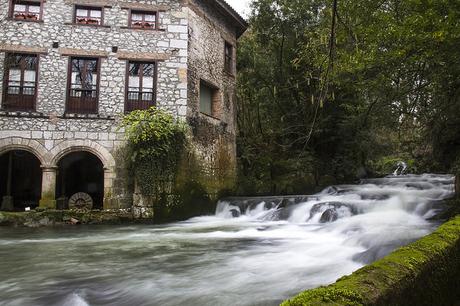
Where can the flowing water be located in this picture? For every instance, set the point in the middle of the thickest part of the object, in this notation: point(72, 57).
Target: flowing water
point(252, 252)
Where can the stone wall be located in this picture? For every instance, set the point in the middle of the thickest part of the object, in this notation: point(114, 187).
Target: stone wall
point(188, 47)
point(53, 129)
point(168, 44)
point(214, 136)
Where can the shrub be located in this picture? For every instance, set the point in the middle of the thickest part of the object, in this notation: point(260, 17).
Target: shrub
point(156, 141)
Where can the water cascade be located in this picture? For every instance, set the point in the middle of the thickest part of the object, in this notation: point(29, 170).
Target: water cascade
point(401, 168)
point(253, 251)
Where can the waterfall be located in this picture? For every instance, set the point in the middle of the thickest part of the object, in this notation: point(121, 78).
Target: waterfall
point(401, 168)
point(402, 205)
point(414, 194)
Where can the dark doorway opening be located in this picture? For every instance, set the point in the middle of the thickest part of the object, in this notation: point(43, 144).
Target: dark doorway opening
point(80, 172)
point(20, 180)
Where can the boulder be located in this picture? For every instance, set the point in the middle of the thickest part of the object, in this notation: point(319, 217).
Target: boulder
point(44, 221)
point(330, 215)
point(325, 206)
point(235, 213)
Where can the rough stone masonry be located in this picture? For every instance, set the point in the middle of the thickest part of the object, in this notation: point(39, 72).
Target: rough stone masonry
point(190, 44)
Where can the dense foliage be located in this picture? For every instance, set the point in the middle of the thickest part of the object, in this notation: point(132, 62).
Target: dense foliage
point(156, 141)
point(343, 89)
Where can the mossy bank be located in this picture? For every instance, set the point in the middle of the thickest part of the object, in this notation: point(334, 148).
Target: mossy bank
point(426, 272)
point(67, 217)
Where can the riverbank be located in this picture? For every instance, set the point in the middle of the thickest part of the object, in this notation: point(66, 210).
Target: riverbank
point(69, 217)
point(426, 272)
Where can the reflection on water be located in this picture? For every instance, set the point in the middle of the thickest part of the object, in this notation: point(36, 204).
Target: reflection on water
point(252, 252)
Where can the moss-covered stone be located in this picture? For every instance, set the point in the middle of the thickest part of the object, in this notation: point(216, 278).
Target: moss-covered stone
point(426, 272)
point(451, 209)
point(61, 217)
point(48, 201)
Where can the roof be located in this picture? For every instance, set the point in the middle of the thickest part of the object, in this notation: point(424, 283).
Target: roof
point(241, 24)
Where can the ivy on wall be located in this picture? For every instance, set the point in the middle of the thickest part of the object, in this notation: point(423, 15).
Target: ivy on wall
point(156, 141)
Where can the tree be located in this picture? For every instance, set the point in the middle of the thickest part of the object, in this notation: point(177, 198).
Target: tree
point(345, 88)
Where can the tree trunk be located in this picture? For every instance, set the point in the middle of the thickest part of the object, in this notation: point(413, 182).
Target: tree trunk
point(457, 185)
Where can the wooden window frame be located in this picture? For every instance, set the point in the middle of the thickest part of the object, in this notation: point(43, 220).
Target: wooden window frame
point(69, 110)
point(229, 59)
point(155, 82)
point(144, 12)
point(6, 83)
point(89, 8)
point(28, 3)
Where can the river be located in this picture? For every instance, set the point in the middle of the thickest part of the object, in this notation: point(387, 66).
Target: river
point(251, 252)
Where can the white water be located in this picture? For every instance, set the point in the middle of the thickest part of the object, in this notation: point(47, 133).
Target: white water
point(401, 168)
point(272, 251)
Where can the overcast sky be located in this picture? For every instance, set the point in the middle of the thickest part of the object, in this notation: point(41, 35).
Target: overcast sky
point(241, 6)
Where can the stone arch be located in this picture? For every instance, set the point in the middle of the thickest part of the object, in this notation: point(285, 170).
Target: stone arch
point(29, 145)
point(69, 146)
point(80, 172)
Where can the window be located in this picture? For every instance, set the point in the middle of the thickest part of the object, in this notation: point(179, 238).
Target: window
point(143, 20)
point(26, 10)
point(88, 15)
point(209, 99)
point(20, 82)
point(83, 86)
point(141, 83)
point(228, 60)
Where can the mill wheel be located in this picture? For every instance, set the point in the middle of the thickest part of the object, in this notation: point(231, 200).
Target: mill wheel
point(81, 200)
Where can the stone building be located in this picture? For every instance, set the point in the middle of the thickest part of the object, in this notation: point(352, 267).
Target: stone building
point(70, 68)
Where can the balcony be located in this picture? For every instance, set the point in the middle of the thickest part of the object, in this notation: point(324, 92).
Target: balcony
point(139, 100)
point(19, 98)
point(82, 101)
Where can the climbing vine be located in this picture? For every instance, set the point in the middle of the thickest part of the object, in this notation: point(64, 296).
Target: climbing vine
point(156, 141)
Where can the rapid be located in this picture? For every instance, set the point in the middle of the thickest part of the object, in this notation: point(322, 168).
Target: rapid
point(253, 251)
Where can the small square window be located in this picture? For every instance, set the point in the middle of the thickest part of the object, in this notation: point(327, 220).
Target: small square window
point(143, 20)
point(88, 15)
point(209, 99)
point(26, 10)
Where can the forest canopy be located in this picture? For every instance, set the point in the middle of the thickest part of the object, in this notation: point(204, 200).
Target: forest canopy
point(331, 91)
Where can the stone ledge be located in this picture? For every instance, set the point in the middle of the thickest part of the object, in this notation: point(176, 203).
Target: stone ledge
point(103, 26)
point(22, 114)
point(156, 30)
point(87, 116)
point(18, 114)
point(103, 3)
point(144, 6)
point(124, 55)
point(82, 52)
point(63, 217)
point(20, 48)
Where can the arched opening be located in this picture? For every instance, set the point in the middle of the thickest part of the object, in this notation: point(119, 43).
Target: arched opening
point(80, 172)
point(20, 180)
